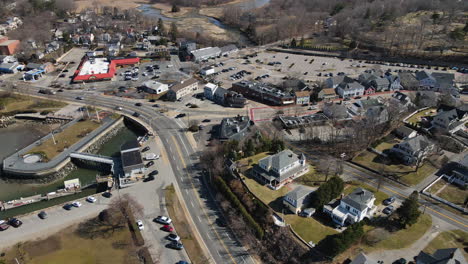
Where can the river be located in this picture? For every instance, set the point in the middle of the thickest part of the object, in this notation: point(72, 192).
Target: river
point(150, 11)
point(9, 191)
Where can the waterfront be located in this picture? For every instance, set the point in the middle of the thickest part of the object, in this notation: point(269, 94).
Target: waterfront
point(15, 190)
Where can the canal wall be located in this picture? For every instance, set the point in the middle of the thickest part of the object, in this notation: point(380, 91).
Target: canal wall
point(59, 167)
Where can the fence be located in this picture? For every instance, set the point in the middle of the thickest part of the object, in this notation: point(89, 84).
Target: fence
point(437, 198)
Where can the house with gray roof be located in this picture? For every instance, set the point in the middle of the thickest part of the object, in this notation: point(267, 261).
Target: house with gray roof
point(437, 81)
point(408, 81)
point(395, 82)
point(234, 128)
point(228, 49)
point(205, 53)
point(350, 89)
point(447, 120)
point(335, 111)
point(413, 150)
point(334, 81)
point(363, 259)
point(297, 199)
point(280, 169)
point(360, 107)
point(352, 208)
point(442, 256)
point(459, 174)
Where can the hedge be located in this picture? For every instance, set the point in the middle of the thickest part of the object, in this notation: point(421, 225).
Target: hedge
point(226, 191)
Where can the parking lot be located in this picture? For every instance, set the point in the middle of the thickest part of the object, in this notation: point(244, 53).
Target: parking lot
point(310, 68)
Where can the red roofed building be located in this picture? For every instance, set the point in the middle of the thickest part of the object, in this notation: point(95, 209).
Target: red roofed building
point(100, 69)
point(8, 46)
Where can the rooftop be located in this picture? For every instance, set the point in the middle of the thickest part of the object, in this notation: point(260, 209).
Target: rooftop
point(94, 66)
point(298, 193)
point(183, 84)
point(264, 88)
point(232, 126)
point(359, 198)
point(131, 158)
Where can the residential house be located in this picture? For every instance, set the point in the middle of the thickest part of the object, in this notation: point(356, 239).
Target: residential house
point(403, 100)
point(205, 53)
point(394, 80)
point(436, 81)
point(360, 107)
point(376, 114)
point(207, 70)
point(182, 89)
point(334, 81)
point(52, 46)
point(413, 150)
point(380, 84)
point(219, 95)
point(209, 90)
point(335, 111)
point(327, 94)
point(404, 132)
point(442, 256)
point(228, 50)
point(352, 208)
point(302, 97)
point(234, 128)
point(459, 174)
point(363, 259)
point(154, 87)
point(281, 168)
point(408, 81)
point(446, 120)
point(350, 89)
point(297, 199)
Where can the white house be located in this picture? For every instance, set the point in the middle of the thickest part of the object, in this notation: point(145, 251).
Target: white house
point(154, 87)
point(346, 90)
point(413, 149)
point(209, 90)
point(352, 208)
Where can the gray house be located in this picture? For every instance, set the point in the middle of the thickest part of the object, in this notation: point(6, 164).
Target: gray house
point(413, 149)
point(459, 174)
point(335, 111)
point(447, 120)
point(281, 168)
point(442, 256)
point(297, 199)
point(234, 128)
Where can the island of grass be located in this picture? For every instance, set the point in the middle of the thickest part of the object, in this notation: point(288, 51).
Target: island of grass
point(64, 139)
point(11, 104)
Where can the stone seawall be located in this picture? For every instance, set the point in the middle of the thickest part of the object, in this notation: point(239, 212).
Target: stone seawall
point(63, 168)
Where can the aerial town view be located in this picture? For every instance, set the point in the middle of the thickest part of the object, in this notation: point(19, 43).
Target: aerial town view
point(233, 131)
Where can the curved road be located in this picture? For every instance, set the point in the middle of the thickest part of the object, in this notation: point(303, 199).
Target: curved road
point(221, 242)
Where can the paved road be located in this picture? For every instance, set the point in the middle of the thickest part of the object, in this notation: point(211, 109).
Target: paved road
point(221, 243)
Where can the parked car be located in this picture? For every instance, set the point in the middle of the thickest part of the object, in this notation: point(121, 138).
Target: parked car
point(206, 120)
point(155, 105)
point(136, 114)
point(68, 207)
point(155, 172)
point(173, 237)
point(182, 262)
point(42, 215)
point(389, 200)
point(60, 90)
point(181, 115)
point(145, 149)
point(140, 225)
point(149, 164)
point(400, 261)
point(167, 228)
point(388, 210)
point(91, 199)
point(3, 225)
point(107, 194)
point(149, 178)
point(163, 220)
point(79, 98)
point(138, 104)
point(15, 222)
point(76, 204)
point(175, 245)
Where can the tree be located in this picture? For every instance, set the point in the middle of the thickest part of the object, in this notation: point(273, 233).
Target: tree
point(293, 43)
point(161, 28)
point(175, 8)
point(409, 212)
point(326, 192)
point(249, 148)
point(302, 42)
point(174, 32)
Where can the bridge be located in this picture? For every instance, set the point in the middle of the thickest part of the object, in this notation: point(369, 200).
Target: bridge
point(92, 157)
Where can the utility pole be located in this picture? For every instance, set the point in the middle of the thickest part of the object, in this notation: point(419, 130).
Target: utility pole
point(97, 115)
point(53, 138)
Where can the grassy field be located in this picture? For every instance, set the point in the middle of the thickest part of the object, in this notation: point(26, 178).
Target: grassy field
point(15, 102)
point(179, 221)
point(65, 139)
point(379, 196)
point(244, 163)
point(265, 194)
point(449, 192)
point(68, 247)
point(404, 173)
point(404, 237)
point(448, 239)
point(309, 228)
point(416, 118)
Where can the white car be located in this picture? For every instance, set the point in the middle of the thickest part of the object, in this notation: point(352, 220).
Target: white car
point(91, 199)
point(140, 225)
point(76, 204)
point(163, 220)
point(173, 237)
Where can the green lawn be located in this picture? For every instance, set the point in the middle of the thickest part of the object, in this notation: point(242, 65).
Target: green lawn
point(65, 139)
point(416, 118)
point(265, 194)
point(244, 163)
point(448, 239)
point(379, 196)
point(404, 173)
point(309, 228)
point(312, 178)
point(404, 237)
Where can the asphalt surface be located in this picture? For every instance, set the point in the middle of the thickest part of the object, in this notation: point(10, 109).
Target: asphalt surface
point(222, 244)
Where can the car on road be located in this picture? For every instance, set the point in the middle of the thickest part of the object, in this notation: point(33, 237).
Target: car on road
point(3, 225)
point(206, 120)
point(155, 105)
point(68, 207)
point(15, 222)
point(76, 204)
point(91, 199)
point(62, 75)
point(79, 98)
point(167, 228)
point(42, 215)
point(388, 210)
point(173, 237)
point(118, 108)
point(136, 114)
point(140, 225)
point(60, 90)
point(138, 104)
point(389, 200)
point(175, 245)
point(400, 261)
point(182, 262)
point(180, 115)
point(107, 194)
point(163, 220)
point(145, 149)
point(149, 164)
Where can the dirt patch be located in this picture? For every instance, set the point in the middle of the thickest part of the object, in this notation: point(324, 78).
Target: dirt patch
point(122, 4)
point(202, 25)
point(43, 247)
point(166, 10)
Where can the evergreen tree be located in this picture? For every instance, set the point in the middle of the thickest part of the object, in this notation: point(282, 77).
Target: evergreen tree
point(175, 8)
point(293, 43)
point(249, 148)
point(161, 28)
point(302, 42)
point(409, 212)
point(174, 32)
